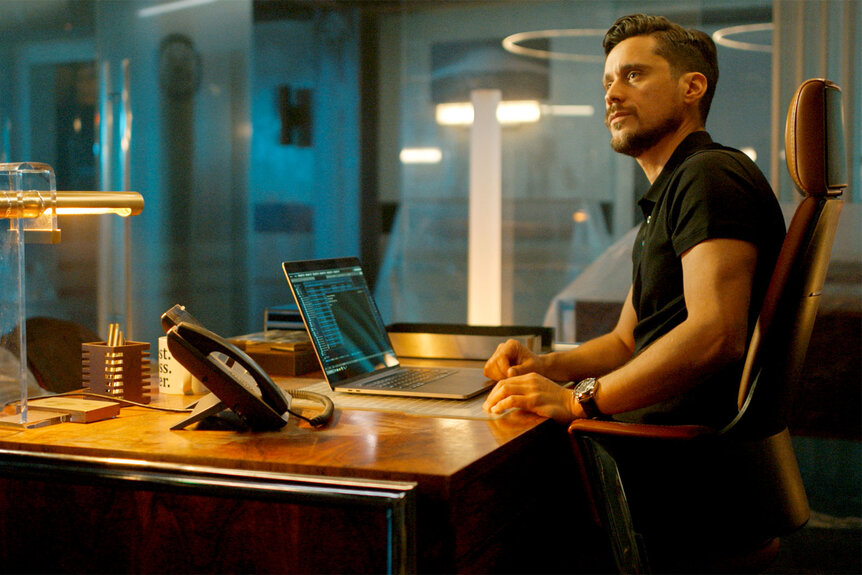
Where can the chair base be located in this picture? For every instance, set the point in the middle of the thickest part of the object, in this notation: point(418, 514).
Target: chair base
point(752, 561)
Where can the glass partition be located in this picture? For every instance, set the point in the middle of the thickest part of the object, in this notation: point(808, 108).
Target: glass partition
point(568, 199)
point(261, 131)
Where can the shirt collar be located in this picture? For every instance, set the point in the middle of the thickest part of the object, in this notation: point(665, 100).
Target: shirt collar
point(692, 143)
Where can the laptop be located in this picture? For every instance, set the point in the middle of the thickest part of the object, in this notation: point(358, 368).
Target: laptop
point(350, 340)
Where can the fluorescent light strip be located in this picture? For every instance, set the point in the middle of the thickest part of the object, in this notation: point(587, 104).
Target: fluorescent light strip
point(520, 112)
point(421, 156)
point(458, 114)
point(508, 113)
point(571, 110)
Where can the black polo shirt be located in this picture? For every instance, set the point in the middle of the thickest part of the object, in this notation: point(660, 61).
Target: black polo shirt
point(705, 191)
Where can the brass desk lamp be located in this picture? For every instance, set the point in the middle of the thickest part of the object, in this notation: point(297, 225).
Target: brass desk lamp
point(30, 201)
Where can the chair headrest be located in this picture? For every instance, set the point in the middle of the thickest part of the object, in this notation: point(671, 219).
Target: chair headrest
point(814, 139)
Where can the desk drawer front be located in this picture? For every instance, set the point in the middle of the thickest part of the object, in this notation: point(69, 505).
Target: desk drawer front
point(93, 514)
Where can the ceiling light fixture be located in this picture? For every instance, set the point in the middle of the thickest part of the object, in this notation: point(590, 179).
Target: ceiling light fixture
point(168, 7)
point(721, 37)
point(513, 43)
point(750, 152)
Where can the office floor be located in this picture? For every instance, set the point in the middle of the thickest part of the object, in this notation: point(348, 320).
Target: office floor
point(825, 546)
point(828, 435)
point(831, 542)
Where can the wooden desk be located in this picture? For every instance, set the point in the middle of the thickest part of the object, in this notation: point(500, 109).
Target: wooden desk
point(129, 495)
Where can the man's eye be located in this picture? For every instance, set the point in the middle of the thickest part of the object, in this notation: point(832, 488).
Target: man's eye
point(632, 75)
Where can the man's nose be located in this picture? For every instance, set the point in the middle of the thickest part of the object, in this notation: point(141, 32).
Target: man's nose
point(612, 93)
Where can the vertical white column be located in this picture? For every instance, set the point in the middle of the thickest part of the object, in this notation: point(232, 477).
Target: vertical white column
point(485, 250)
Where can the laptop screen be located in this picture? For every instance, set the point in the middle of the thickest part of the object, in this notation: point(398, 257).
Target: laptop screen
point(343, 321)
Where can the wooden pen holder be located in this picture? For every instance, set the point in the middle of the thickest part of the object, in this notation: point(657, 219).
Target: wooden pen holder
point(121, 371)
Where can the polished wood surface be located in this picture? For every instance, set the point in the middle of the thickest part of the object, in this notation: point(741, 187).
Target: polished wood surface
point(369, 444)
point(484, 487)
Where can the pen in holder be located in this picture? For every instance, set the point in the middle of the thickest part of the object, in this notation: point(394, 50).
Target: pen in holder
point(117, 368)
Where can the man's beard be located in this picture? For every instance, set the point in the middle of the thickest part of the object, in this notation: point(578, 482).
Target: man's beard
point(636, 143)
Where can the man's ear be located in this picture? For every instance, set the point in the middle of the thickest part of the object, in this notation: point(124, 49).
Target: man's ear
point(693, 85)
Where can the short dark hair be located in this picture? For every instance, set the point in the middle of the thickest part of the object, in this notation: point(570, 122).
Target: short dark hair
point(686, 50)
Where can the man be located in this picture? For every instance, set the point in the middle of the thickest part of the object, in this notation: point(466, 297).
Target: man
point(702, 259)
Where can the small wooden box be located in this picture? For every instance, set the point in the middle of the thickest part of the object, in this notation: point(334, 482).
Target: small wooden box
point(285, 363)
point(279, 352)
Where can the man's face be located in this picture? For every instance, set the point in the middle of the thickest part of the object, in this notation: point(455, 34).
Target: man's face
point(643, 102)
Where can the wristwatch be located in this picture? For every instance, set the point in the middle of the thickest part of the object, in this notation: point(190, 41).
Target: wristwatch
point(585, 395)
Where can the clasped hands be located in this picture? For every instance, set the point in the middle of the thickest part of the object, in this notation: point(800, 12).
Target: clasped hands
point(521, 383)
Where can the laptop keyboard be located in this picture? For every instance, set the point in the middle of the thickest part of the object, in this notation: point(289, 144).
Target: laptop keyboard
point(409, 378)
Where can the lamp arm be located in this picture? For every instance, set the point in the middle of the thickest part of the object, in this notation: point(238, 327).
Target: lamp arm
point(32, 204)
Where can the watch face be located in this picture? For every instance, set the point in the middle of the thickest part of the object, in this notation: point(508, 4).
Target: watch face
point(585, 388)
point(585, 393)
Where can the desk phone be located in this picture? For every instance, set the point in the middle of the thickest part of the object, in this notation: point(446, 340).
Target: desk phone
point(235, 380)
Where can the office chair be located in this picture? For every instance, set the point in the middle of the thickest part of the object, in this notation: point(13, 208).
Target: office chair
point(694, 499)
point(54, 352)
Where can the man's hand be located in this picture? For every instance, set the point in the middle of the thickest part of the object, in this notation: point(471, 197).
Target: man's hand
point(510, 359)
point(520, 384)
point(534, 393)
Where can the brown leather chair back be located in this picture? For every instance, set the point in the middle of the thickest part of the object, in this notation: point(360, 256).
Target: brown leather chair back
point(814, 139)
point(814, 143)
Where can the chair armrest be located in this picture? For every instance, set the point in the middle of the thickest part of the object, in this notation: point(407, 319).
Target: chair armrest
point(641, 430)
